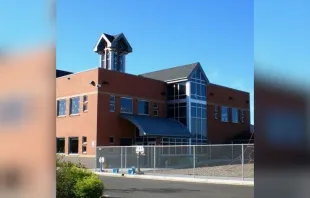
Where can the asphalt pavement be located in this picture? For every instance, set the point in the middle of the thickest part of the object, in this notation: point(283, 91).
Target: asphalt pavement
point(122, 187)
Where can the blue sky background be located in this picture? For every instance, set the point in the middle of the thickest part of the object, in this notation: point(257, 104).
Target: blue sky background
point(218, 34)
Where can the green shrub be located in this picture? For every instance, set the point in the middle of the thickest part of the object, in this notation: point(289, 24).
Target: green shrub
point(89, 187)
point(75, 182)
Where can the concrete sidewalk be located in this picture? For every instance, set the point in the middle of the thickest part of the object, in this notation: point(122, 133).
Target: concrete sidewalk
point(213, 180)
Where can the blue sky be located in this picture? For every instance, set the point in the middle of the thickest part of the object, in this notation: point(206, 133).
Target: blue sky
point(218, 34)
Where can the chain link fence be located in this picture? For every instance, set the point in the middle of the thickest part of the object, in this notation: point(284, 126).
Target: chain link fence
point(230, 160)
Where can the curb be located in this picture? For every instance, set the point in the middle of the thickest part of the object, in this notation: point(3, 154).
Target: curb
point(181, 179)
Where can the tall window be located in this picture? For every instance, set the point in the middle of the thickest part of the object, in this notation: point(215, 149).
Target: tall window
point(75, 105)
point(224, 114)
point(112, 103)
point(178, 112)
point(155, 109)
point(61, 107)
point(198, 86)
point(216, 109)
point(198, 123)
point(234, 115)
point(242, 115)
point(176, 91)
point(143, 107)
point(126, 105)
point(85, 103)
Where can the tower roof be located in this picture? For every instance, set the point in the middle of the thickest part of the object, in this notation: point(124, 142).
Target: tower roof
point(111, 41)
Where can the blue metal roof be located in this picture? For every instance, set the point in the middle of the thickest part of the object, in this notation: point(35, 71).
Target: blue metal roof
point(157, 126)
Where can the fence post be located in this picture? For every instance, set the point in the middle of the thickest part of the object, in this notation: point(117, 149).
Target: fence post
point(121, 160)
point(154, 153)
point(232, 151)
point(242, 159)
point(125, 157)
point(194, 160)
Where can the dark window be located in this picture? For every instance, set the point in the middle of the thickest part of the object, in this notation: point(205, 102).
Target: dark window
point(84, 149)
point(84, 139)
point(85, 98)
point(183, 121)
point(155, 109)
point(60, 145)
point(143, 107)
point(182, 111)
point(126, 105)
point(73, 145)
point(111, 140)
point(224, 112)
point(182, 91)
point(85, 107)
point(75, 105)
point(61, 107)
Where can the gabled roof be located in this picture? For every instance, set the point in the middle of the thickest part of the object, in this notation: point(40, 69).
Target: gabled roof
point(179, 72)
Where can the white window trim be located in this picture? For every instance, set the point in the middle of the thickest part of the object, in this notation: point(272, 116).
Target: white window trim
point(131, 105)
point(140, 100)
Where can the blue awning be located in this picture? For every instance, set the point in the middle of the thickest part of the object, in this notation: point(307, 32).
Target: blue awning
point(157, 126)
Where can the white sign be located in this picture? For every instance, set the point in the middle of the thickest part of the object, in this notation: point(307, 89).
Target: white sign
point(140, 149)
point(93, 144)
point(101, 159)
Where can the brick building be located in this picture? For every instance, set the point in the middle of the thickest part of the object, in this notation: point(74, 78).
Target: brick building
point(106, 106)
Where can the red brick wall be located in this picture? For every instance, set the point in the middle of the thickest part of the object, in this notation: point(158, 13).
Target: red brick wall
point(124, 85)
point(218, 131)
point(84, 124)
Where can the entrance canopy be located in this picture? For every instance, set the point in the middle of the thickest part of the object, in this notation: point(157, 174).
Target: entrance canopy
point(156, 126)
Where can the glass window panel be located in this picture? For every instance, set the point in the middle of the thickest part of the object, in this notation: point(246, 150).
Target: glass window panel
point(198, 89)
point(203, 113)
point(193, 112)
point(75, 105)
point(126, 105)
point(61, 107)
point(203, 91)
point(183, 121)
point(198, 129)
point(193, 126)
point(182, 112)
point(193, 88)
point(143, 107)
point(199, 112)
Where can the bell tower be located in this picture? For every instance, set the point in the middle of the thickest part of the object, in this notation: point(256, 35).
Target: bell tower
point(112, 50)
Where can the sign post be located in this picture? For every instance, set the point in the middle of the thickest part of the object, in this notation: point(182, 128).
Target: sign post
point(139, 152)
point(101, 161)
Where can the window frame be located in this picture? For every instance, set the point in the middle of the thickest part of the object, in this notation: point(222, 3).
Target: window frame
point(85, 103)
point(62, 138)
point(242, 115)
point(131, 105)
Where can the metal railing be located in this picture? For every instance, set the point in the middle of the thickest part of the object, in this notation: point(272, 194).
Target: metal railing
point(229, 160)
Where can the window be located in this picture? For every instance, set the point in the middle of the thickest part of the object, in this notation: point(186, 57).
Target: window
point(126, 105)
point(84, 149)
point(61, 107)
point(112, 103)
point(73, 145)
point(60, 145)
point(224, 114)
point(143, 107)
point(84, 140)
point(216, 109)
point(242, 116)
point(234, 115)
point(75, 105)
point(85, 103)
point(111, 140)
point(155, 109)
point(198, 86)
point(178, 111)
